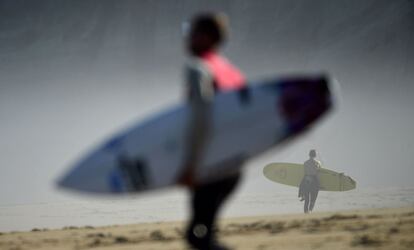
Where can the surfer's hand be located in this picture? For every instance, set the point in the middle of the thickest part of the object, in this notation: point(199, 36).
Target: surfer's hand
point(187, 178)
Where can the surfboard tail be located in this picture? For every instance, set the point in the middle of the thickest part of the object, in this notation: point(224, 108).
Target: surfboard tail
point(305, 103)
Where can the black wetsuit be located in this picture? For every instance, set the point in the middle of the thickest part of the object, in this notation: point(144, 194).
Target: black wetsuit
point(206, 199)
point(309, 187)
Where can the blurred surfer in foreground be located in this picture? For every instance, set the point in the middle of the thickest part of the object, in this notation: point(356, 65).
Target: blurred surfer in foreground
point(207, 73)
point(309, 187)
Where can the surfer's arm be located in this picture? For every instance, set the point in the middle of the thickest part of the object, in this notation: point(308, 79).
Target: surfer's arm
point(199, 92)
point(200, 89)
point(318, 165)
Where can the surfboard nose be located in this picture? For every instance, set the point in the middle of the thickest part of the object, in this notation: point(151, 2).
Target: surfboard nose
point(76, 182)
point(67, 181)
point(72, 180)
point(304, 100)
point(93, 178)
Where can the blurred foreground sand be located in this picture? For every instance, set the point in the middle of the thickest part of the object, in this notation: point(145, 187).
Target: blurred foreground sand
point(361, 229)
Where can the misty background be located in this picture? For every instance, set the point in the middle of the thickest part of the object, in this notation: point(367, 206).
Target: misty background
point(74, 72)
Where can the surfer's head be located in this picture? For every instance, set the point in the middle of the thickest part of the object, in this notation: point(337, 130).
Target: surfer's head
point(312, 153)
point(207, 31)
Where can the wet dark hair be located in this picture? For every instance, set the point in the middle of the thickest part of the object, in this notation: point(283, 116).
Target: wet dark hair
point(212, 24)
point(312, 153)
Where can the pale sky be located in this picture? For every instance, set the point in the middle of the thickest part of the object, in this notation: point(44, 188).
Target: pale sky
point(72, 73)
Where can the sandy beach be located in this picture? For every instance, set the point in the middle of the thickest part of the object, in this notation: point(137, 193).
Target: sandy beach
point(391, 228)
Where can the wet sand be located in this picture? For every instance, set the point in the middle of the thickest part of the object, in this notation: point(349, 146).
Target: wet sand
point(360, 229)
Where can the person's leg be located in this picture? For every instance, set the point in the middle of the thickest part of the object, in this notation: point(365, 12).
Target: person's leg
point(197, 231)
point(314, 195)
point(307, 198)
point(205, 203)
point(314, 188)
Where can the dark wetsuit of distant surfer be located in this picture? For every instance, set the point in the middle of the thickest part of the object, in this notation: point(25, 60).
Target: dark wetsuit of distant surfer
point(309, 187)
point(206, 74)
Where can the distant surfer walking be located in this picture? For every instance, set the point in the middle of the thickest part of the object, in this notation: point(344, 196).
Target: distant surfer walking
point(309, 187)
point(207, 73)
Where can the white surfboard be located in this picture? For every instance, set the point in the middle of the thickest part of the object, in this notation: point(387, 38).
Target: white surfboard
point(150, 155)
